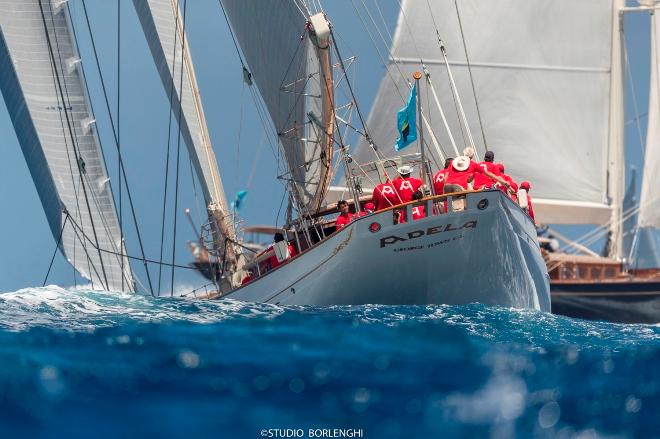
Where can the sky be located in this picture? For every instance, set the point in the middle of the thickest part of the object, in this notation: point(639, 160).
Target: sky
point(246, 161)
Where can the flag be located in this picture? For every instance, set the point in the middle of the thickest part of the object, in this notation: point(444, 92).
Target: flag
point(238, 200)
point(406, 121)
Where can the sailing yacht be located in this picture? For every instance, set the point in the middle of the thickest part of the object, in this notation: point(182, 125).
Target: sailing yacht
point(547, 82)
point(473, 246)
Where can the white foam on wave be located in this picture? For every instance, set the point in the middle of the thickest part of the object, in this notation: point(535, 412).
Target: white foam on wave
point(81, 308)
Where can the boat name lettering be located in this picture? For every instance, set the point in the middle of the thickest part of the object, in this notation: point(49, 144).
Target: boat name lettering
point(393, 239)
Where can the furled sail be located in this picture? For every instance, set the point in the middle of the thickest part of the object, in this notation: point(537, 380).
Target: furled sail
point(649, 204)
point(44, 90)
point(542, 73)
point(295, 86)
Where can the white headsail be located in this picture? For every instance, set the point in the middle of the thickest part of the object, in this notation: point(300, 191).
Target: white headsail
point(295, 84)
point(649, 204)
point(44, 90)
point(542, 72)
point(163, 25)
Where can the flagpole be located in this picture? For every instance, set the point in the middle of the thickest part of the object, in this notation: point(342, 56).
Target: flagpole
point(417, 76)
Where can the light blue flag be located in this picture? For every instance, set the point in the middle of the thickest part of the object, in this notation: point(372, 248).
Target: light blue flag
point(406, 121)
point(238, 200)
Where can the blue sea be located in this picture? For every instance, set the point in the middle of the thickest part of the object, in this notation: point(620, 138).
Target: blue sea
point(76, 363)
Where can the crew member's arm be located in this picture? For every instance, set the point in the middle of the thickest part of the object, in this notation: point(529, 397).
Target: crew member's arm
point(499, 179)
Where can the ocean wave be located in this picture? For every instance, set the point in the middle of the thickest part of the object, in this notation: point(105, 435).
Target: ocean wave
point(83, 309)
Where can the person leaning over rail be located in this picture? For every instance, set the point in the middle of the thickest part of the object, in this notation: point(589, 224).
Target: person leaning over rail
point(482, 180)
point(510, 187)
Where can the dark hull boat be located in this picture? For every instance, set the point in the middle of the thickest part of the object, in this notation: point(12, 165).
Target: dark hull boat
point(595, 288)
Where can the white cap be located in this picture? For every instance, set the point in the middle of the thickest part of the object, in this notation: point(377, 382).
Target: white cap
point(405, 169)
point(461, 163)
point(469, 152)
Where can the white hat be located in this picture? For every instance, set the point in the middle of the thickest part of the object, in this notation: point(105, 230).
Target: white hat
point(405, 169)
point(461, 163)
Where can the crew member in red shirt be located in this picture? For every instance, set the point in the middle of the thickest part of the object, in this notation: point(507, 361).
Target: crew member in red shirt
point(460, 174)
point(345, 216)
point(406, 185)
point(368, 209)
point(385, 196)
point(482, 180)
point(418, 212)
point(272, 261)
point(440, 178)
point(512, 188)
point(530, 209)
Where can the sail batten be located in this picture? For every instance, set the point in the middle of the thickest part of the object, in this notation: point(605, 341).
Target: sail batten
point(544, 100)
point(59, 143)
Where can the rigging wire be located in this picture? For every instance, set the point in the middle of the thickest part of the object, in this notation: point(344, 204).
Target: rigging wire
point(121, 161)
point(178, 145)
point(121, 211)
point(469, 68)
point(57, 246)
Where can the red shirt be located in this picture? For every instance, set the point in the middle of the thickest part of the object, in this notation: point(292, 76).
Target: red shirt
point(272, 261)
point(439, 180)
point(406, 187)
point(385, 196)
point(530, 209)
point(461, 177)
point(482, 180)
point(342, 220)
point(247, 279)
point(418, 212)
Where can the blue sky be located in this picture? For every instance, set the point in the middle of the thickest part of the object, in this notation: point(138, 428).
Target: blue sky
point(26, 241)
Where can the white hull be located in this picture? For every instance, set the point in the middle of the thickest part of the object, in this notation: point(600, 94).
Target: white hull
point(489, 255)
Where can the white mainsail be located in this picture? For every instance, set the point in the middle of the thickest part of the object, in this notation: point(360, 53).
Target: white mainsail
point(44, 90)
point(284, 63)
point(543, 78)
point(649, 204)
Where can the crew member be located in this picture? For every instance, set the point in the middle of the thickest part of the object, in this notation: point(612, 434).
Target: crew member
point(440, 178)
point(510, 187)
point(406, 185)
point(345, 216)
point(418, 212)
point(525, 186)
point(368, 209)
point(385, 196)
point(274, 261)
point(482, 180)
point(461, 174)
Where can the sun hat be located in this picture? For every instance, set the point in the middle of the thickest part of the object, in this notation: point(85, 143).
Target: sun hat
point(405, 169)
point(461, 163)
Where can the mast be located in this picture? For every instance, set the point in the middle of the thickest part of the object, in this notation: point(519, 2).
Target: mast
point(616, 157)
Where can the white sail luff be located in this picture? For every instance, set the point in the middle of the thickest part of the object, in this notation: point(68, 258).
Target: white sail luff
point(649, 204)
